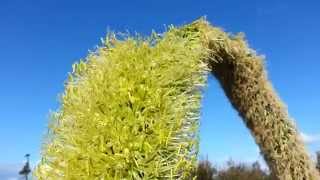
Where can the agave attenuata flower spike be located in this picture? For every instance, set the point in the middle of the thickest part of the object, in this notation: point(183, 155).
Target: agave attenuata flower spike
point(130, 110)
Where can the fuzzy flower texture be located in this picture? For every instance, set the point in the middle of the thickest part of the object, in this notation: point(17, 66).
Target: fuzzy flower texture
point(131, 109)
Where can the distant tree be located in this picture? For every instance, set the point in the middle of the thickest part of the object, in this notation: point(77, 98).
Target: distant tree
point(243, 171)
point(233, 171)
point(318, 161)
point(205, 170)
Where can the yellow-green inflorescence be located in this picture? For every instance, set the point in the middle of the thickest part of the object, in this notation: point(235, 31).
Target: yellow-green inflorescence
point(130, 110)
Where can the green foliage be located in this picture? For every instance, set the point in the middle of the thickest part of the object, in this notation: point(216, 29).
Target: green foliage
point(233, 171)
point(130, 110)
point(241, 171)
point(205, 170)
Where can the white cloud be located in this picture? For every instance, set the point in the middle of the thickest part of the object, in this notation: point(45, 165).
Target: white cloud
point(310, 138)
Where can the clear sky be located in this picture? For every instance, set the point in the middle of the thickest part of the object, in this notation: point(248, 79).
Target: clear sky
point(40, 40)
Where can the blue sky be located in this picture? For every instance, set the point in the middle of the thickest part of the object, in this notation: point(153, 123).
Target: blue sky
point(39, 41)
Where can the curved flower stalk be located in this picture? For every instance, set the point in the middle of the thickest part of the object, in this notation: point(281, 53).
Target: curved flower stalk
point(243, 77)
point(130, 110)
